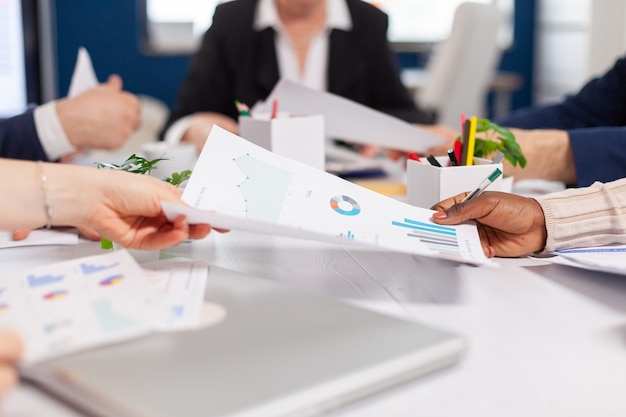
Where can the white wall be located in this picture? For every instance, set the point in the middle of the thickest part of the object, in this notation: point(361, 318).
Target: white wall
point(576, 40)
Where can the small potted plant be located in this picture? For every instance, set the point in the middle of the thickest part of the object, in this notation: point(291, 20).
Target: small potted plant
point(496, 139)
point(139, 165)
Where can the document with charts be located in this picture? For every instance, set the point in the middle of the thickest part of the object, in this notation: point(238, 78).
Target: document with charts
point(81, 303)
point(610, 259)
point(238, 185)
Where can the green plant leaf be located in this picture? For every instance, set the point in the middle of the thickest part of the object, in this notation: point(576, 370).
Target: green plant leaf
point(497, 138)
point(106, 244)
point(177, 178)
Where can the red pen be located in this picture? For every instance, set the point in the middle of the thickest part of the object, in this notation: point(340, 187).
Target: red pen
point(413, 156)
point(275, 108)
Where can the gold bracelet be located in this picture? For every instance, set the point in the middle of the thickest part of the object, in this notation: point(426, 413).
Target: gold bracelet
point(44, 184)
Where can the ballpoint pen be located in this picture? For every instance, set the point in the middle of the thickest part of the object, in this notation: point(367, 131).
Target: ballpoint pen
point(452, 156)
point(484, 184)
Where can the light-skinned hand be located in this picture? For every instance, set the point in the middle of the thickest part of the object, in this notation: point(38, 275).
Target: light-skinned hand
point(102, 117)
point(508, 225)
point(10, 352)
point(120, 206)
point(201, 125)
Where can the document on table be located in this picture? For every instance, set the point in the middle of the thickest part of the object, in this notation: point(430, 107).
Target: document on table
point(346, 119)
point(182, 286)
point(604, 259)
point(238, 185)
point(81, 303)
point(40, 237)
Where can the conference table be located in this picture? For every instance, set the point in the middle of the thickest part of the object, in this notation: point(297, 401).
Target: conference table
point(543, 339)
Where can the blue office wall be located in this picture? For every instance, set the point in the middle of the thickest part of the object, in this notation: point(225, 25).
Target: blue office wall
point(111, 31)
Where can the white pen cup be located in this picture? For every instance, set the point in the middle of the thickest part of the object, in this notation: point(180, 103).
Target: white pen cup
point(426, 185)
point(178, 157)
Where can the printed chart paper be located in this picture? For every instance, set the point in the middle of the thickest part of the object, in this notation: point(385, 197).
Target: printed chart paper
point(76, 304)
point(610, 259)
point(238, 185)
point(68, 306)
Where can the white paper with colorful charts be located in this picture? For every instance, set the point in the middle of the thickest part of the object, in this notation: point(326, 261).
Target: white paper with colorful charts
point(238, 185)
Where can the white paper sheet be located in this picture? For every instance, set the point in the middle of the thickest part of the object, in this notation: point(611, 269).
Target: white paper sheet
point(72, 305)
point(346, 119)
point(68, 306)
point(40, 237)
point(238, 185)
point(84, 76)
point(182, 285)
point(604, 259)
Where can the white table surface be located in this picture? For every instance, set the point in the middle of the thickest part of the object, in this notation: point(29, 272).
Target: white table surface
point(544, 340)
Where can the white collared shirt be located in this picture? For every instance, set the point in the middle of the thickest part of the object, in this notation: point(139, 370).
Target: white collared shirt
point(50, 131)
point(316, 62)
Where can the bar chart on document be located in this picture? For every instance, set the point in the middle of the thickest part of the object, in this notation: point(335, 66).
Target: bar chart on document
point(256, 184)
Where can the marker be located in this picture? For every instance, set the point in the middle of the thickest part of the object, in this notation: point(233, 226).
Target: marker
point(471, 141)
point(242, 108)
point(433, 161)
point(464, 141)
point(484, 184)
point(413, 156)
point(275, 108)
point(452, 156)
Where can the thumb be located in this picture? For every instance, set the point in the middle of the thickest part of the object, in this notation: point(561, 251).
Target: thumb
point(114, 82)
point(459, 213)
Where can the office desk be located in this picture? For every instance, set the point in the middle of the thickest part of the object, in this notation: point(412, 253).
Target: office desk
point(544, 340)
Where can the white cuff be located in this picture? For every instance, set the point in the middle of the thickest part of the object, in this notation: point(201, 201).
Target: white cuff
point(50, 131)
point(177, 130)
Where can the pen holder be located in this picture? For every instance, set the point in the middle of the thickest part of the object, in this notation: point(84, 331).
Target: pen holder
point(300, 138)
point(426, 185)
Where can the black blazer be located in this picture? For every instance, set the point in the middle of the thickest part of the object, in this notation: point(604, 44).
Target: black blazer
point(237, 62)
point(19, 139)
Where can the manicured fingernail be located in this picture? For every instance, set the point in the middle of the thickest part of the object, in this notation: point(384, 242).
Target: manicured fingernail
point(440, 215)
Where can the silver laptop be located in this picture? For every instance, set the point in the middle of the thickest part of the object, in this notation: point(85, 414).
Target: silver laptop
point(278, 352)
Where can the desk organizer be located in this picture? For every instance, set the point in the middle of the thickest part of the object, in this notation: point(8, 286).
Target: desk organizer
point(300, 138)
point(426, 185)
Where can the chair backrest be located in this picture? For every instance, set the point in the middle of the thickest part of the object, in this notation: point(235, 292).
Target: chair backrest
point(460, 70)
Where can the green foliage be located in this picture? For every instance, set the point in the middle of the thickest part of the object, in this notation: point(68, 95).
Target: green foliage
point(135, 164)
point(138, 165)
point(497, 139)
point(177, 178)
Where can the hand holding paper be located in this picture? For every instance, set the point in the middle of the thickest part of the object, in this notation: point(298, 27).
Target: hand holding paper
point(238, 185)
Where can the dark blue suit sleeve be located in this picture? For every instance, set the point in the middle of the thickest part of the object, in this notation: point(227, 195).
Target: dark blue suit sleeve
point(19, 139)
point(595, 119)
point(599, 154)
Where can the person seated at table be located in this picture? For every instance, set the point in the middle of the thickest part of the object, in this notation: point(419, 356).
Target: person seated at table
point(338, 46)
point(578, 141)
point(102, 117)
point(510, 225)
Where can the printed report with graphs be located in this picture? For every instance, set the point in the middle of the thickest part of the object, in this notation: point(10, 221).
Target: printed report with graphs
point(238, 185)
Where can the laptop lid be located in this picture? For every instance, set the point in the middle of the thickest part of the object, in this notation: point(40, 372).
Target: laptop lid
point(276, 352)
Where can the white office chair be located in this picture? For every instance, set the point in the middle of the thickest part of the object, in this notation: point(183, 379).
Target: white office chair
point(459, 72)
